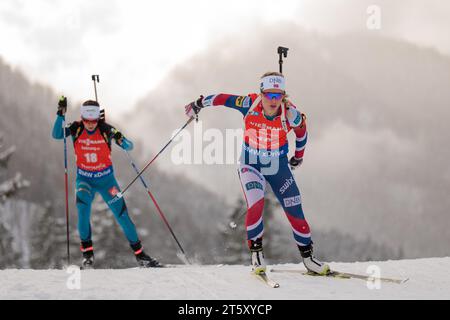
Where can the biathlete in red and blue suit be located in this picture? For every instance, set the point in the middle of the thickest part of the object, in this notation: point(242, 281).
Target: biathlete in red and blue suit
point(268, 118)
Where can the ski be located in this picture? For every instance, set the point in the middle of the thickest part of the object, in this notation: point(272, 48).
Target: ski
point(341, 275)
point(264, 278)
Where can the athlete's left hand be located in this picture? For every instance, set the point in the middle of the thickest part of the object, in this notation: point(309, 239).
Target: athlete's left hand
point(295, 163)
point(118, 137)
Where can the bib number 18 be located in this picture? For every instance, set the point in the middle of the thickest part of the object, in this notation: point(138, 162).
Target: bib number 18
point(91, 157)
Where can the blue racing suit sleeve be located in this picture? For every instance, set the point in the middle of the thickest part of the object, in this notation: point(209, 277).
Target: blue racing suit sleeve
point(240, 103)
point(126, 145)
point(57, 132)
point(120, 139)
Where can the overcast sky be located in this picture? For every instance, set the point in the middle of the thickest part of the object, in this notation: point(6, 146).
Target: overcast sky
point(133, 44)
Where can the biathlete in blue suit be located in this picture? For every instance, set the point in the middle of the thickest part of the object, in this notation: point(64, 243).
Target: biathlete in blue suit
point(92, 138)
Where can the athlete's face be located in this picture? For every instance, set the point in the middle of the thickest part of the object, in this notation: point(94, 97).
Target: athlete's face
point(272, 100)
point(90, 125)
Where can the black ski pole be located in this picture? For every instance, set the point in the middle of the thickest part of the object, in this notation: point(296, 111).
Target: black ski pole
point(282, 52)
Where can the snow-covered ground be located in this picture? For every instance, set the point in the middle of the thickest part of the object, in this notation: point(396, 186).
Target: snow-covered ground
point(428, 279)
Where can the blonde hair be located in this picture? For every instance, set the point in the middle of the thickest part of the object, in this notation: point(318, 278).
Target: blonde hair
point(272, 73)
point(279, 74)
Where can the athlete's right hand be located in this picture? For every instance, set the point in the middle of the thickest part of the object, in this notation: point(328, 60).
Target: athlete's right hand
point(295, 163)
point(193, 108)
point(62, 106)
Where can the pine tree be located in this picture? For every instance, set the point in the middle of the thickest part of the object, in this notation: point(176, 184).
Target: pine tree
point(49, 240)
point(8, 255)
point(233, 234)
point(8, 188)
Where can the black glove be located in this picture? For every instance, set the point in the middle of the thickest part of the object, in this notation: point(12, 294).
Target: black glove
point(62, 106)
point(194, 108)
point(117, 135)
point(295, 163)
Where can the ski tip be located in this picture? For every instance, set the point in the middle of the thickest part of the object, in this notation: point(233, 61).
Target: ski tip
point(263, 277)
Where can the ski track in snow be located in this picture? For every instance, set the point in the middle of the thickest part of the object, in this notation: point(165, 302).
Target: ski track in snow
point(428, 279)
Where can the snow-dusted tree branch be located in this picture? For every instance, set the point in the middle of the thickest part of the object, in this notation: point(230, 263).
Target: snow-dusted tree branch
point(10, 186)
point(6, 155)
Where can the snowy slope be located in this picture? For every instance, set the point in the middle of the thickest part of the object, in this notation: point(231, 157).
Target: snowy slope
point(429, 279)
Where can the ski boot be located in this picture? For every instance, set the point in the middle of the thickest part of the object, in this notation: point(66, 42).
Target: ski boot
point(258, 263)
point(144, 260)
point(88, 255)
point(311, 263)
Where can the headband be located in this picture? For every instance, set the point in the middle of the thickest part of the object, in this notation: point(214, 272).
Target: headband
point(273, 82)
point(90, 112)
